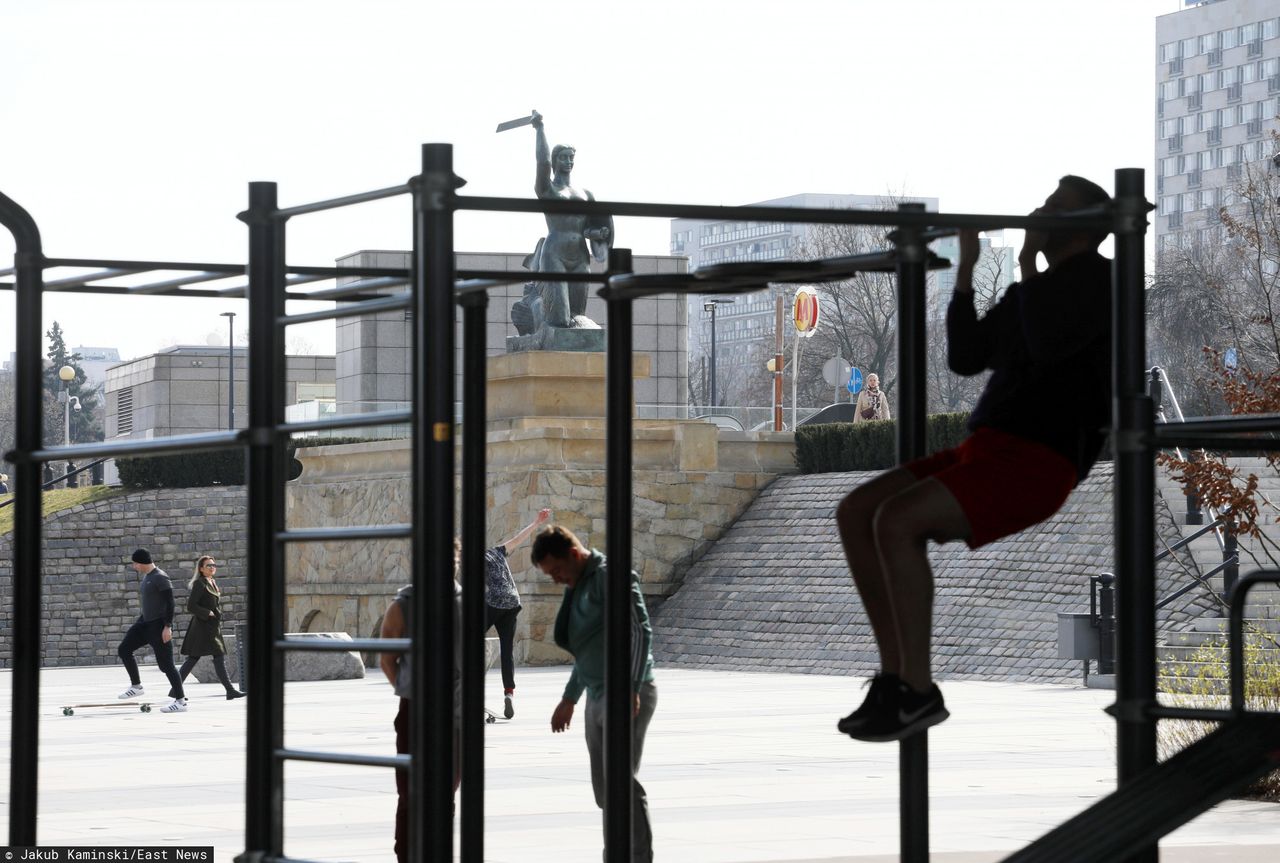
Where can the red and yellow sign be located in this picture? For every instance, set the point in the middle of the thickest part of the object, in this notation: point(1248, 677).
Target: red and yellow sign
point(804, 311)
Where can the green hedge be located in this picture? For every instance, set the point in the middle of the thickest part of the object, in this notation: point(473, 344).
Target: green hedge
point(839, 447)
point(199, 469)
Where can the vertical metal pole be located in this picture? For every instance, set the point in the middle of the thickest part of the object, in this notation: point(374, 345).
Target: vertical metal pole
point(267, 474)
point(433, 624)
point(474, 307)
point(1106, 624)
point(231, 368)
point(913, 753)
point(617, 620)
point(1231, 557)
point(714, 401)
point(24, 745)
point(1134, 491)
point(777, 360)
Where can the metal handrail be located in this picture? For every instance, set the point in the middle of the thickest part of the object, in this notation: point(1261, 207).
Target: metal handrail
point(54, 482)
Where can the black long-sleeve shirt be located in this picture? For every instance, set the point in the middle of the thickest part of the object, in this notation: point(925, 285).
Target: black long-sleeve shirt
point(156, 596)
point(1048, 345)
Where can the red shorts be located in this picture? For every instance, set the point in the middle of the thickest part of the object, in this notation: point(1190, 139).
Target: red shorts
point(1003, 483)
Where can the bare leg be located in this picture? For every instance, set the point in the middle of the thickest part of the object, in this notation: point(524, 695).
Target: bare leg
point(855, 516)
point(903, 524)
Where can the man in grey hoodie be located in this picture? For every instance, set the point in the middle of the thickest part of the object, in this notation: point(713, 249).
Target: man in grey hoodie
point(154, 626)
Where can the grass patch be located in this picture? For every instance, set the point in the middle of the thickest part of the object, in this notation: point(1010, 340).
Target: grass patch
point(58, 499)
point(1204, 685)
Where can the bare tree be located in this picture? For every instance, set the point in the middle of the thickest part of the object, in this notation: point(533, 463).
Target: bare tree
point(947, 392)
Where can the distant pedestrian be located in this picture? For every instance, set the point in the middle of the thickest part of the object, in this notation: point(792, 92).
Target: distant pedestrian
point(873, 404)
point(204, 633)
point(4, 483)
point(154, 626)
point(502, 604)
point(579, 629)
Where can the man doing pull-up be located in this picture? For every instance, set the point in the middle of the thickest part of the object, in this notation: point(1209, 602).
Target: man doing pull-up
point(1035, 433)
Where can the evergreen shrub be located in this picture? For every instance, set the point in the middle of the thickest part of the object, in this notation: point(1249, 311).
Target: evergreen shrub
point(840, 447)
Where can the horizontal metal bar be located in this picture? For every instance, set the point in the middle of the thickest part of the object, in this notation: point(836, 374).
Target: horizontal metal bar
point(335, 272)
point(466, 287)
point(1220, 425)
point(1093, 219)
point(636, 285)
point(358, 287)
point(1190, 538)
point(335, 534)
point(143, 266)
point(157, 287)
point(342, 758)
point(367, 307)
point(75, 281)
point(1221, 443)
point(337, 645)
point(373, 418)
point(513, 277)
point(1163, 711)
point(345, 201)
point(107, 290)
point(152, 446)
point(290, 281)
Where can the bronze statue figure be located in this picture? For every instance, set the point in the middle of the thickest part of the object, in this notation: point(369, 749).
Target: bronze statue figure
point(572, 242)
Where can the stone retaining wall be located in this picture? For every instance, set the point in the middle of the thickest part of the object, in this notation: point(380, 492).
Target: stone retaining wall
point(90, 593)
point(774, 594)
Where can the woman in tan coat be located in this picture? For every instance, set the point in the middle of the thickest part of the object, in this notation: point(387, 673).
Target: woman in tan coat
point(204, 633)
point(873, 404)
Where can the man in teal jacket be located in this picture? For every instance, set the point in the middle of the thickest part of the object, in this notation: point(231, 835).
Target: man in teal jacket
point(580, 630)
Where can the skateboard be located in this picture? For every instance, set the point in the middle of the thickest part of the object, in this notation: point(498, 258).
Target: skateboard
point(70, 709)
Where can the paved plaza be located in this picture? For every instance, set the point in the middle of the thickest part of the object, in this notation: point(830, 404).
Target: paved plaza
point(739, 767)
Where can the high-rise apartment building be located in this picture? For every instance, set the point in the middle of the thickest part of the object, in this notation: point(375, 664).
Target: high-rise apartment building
point(1217, 83)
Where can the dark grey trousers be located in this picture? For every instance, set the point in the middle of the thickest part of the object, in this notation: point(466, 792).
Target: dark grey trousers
point(593, 721)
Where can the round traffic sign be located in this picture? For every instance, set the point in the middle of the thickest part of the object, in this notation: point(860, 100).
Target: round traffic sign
point(855, 381)
point(835, 370)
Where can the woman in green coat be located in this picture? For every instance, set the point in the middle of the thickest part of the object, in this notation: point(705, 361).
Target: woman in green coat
point(204, 633)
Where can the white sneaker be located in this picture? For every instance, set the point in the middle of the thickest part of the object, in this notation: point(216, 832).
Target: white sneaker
point(131, 692)
point(178, 705)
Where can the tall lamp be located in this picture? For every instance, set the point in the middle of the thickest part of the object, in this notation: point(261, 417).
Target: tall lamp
point(710, 306)
point(67, 374)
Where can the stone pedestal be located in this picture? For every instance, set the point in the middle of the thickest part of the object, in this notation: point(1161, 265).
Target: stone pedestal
point(551, 384)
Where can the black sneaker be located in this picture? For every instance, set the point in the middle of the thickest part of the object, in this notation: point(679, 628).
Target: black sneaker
point(907, 712)
point(508, 710)
point(880, 688)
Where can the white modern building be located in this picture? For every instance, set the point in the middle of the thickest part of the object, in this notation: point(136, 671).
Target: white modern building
point(1217, 83)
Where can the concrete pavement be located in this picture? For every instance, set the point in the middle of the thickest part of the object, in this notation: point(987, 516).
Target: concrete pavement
point(739, 768)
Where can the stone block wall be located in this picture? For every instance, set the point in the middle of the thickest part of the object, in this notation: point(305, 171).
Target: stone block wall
point(775, 594)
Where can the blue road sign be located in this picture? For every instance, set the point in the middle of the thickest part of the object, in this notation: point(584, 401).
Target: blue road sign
point(855, 381)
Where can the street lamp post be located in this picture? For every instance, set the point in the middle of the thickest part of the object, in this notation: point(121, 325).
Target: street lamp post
point(67, 374)
point(710, 306)
point(231, 368)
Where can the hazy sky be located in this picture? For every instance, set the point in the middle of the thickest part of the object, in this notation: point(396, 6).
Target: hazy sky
point(131, 129)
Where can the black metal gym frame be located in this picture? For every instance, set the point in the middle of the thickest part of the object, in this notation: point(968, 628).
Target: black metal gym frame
point(1150, 800)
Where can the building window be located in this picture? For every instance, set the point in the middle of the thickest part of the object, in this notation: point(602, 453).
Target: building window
point(1228, 38)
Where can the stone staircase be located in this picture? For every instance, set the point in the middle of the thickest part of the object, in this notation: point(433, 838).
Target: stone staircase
point(1193, 655)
